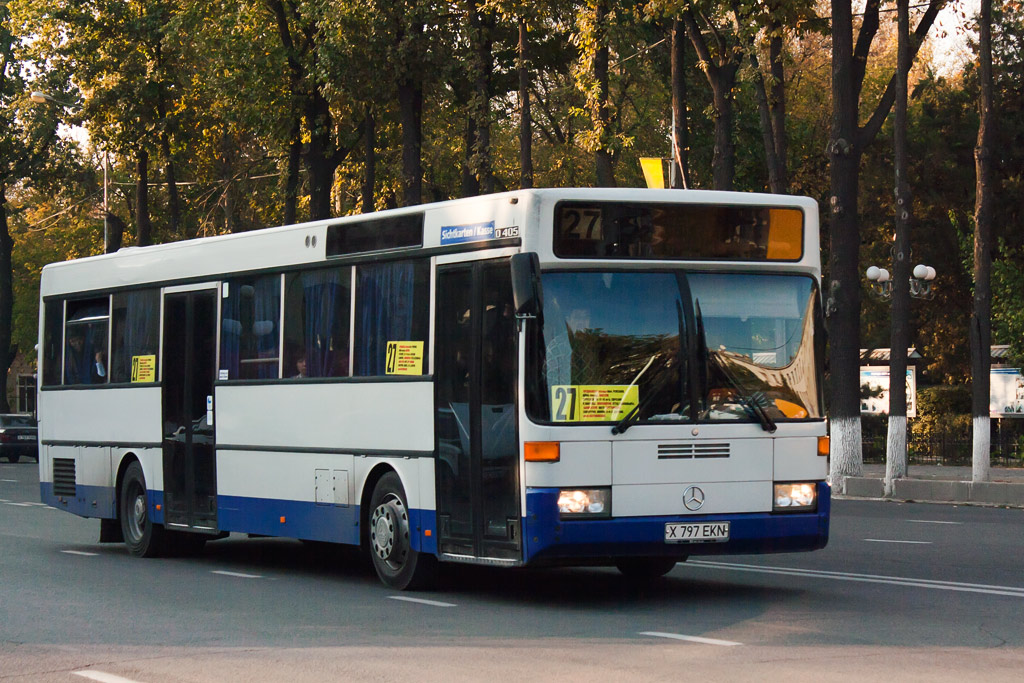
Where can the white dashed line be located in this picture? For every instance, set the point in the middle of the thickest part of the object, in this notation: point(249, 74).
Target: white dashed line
point(239, 575)
point(1011, 591)
point(931, 521)
point(889, 540)
point(10, 481)
point(690, 639)
point(102, 676)
point(435, 603)
point(79, 552)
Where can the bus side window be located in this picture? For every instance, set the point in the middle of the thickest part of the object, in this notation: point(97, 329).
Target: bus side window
point(316, 323)
point(53, 326)
point(392, 305)
point(136, 327)
point(250, 334)
point(85, 345)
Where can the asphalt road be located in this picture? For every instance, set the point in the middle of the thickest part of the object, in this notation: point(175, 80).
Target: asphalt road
point(903, 591)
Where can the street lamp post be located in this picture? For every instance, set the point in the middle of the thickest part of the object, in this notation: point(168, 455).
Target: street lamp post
point(40, 97)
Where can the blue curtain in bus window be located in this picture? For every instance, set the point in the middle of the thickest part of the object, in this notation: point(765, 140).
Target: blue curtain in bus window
point(250, 337)
point(266, 321)
point(230, 332)
point(385, 300)
point(325, 295)
point(140, 331)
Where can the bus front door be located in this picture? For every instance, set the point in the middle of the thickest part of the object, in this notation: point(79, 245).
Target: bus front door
point(190, 333)
point(477, 466)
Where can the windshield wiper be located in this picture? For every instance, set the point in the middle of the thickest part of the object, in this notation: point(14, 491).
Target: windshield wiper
point(633, 416)
point(749, 401)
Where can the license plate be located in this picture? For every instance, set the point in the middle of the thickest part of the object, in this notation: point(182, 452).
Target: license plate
point(26, 437)
point(708, 532)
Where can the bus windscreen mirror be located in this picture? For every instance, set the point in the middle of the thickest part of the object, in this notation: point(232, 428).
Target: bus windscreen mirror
point(526, 284)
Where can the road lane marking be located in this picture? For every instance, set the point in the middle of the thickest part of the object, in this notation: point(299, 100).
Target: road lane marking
point(239, 575)
point(19, 505)
point(10, 481)
point(889, 540)
point(79, 552)
point(691, 639)
point(422, 601)
point(931, 521)
point(102, 676)
point(1012, 591)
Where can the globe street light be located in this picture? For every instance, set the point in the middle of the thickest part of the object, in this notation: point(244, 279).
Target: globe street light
point(40, 97)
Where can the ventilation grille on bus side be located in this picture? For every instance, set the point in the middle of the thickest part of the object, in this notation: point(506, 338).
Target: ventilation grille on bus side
point(679, 451)
point(63, 476)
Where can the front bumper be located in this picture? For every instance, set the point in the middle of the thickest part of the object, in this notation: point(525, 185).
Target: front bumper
point(550, 540)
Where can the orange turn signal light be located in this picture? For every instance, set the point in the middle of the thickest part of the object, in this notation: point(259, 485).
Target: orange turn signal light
point(541, 451)
point(823, 445)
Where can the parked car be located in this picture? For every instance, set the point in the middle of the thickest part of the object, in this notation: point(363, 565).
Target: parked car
point(18, 437)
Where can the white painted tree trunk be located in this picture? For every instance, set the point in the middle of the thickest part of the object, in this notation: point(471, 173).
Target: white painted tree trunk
point(982, 458)
point(895, 451)
point(845, 458)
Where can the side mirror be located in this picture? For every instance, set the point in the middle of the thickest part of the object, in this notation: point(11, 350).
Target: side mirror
point(526, 292)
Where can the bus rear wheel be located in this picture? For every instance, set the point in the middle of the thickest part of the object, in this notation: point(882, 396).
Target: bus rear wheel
point(390, 539)
point(646, 568)
point(143, 537)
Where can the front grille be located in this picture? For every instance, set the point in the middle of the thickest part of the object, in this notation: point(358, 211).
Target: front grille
point(696, 449)
point(64, 477)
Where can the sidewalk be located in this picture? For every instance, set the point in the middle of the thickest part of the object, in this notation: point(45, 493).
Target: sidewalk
point(939, 484)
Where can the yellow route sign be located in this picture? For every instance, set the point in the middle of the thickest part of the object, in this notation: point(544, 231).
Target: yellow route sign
point(404, 358)
point(592, 402)
point(143, 369)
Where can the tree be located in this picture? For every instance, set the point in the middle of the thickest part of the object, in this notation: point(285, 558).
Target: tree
point(27, 136)
point(896, 443)
point(847, 144)
point(981, 323)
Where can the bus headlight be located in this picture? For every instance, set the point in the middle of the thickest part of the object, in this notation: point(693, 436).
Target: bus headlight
point(795, 496)
point(585, 502)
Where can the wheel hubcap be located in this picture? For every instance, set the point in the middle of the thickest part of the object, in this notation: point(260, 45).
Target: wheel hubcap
point(137, 515)
point(389, 532)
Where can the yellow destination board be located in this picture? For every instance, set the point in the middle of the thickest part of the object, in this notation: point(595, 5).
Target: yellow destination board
point(143, 369)
point(592, 402)
point(404, 358)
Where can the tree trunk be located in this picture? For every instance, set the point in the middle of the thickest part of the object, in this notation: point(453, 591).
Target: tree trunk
point(525, 123)
point(478, 133)
point(896, 443)
point(981, 320)
point(680, 130)
point(143, 227)
point(410, 103)
point(777, 98)
point(116, 232)
point(721, 76)
point(843, 291)
point(320, 162)
point(603, 156)
point(6, 299)
point(291, 177)
point(174, 214)
point(470, 182)
point(369, 163)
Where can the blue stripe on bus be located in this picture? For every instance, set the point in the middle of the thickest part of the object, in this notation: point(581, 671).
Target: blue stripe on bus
point(335, 524)
point(550, 539)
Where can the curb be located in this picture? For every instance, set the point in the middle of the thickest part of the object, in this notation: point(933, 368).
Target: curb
point(938, 491)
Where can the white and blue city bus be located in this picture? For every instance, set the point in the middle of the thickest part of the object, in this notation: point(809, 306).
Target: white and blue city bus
point(564, 376)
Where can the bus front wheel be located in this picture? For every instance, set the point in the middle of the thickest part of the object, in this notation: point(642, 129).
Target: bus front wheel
point(646, 568)
point(390, 539)
point(143, 537)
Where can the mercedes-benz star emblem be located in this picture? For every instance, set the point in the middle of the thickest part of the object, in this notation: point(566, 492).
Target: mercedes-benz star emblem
point(693, 498)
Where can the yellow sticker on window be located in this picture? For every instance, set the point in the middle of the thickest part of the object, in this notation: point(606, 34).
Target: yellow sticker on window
point(404, 358)
point(143, 369)
point(593, 402)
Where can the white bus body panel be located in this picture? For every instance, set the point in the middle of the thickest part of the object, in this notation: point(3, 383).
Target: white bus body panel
point(107, 416)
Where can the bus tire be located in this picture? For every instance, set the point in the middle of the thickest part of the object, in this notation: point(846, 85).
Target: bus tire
point(646, 568)
point(143, 537)
point(390, 539)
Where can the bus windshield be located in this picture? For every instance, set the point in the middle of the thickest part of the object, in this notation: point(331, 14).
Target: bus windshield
point(626, 347)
